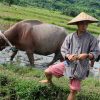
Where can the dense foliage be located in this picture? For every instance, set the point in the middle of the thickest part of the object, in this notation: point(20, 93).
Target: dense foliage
point(22, 83)
point(68, 7)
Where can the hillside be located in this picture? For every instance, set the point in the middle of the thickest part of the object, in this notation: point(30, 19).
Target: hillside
point(68, 7)
point(13, 14)
point(22, 83)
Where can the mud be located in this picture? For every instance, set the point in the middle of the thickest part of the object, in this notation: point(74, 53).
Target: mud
point(40, 61)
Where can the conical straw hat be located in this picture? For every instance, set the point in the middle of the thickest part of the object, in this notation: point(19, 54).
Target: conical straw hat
point(82, 17)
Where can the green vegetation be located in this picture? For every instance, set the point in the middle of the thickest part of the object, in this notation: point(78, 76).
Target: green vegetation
point(68, 7)
point(13, 14)
point(22, 83)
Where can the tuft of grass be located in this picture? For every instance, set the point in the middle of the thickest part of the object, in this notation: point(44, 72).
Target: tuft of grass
point(22, 83)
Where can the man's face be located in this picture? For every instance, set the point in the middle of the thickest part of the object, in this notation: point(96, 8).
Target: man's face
point(82, 26)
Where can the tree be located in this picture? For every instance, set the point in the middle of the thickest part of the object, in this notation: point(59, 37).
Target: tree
point(10, 2)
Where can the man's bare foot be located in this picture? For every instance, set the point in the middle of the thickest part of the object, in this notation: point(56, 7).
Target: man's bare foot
point(45, 81)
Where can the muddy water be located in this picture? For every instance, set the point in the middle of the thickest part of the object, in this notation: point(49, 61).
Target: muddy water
point(22, 59)
point(40, 61)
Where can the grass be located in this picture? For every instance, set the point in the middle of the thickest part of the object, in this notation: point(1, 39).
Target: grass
point(22, 83)
point(13, 14)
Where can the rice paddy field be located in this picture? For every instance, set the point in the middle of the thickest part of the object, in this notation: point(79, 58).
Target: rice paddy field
point(13, 14)
point(22, 83)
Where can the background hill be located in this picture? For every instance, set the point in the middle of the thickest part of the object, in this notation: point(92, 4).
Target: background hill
point(68, 7)
point(9, 15)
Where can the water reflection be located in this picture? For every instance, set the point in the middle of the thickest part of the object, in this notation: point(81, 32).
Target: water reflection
point(96, 70)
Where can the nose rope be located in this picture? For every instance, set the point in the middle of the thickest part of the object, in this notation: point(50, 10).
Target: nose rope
point(3, 36)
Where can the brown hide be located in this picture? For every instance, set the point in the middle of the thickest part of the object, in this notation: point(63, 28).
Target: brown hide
point(34, 36)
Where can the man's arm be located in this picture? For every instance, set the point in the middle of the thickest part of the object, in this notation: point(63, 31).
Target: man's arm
point(65, 50)
point(94, 49)
point(65, 47)
point(85, 55)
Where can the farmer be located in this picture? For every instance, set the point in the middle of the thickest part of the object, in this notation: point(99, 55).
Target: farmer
point(77, 49)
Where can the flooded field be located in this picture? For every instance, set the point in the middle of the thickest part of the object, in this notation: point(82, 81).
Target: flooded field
point(22, 59)
point(40, 61)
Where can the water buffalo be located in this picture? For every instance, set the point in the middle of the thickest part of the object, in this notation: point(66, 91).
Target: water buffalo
point(34, 36)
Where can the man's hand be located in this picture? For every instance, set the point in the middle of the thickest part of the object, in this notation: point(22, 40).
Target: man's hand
point(72, 57)
point(82, 56)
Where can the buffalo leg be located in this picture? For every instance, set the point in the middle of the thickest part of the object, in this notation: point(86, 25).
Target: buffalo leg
point(61, 58)
point(30, 57)
point(56, 57)
point(13, 55)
